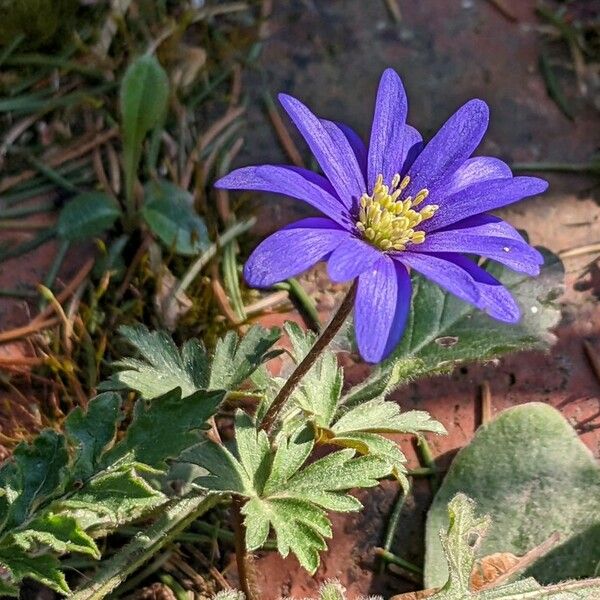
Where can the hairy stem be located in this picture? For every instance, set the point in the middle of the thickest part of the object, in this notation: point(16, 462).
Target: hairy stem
point(244, 565)
point(309, 360)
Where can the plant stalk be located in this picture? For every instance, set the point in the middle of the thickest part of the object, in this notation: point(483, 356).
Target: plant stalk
point(244, 566)
point(309, 360)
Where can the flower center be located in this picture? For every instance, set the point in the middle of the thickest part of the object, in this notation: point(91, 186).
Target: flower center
point(388, 222)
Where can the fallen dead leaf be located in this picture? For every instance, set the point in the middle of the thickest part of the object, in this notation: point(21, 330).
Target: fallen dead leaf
point(489, 568)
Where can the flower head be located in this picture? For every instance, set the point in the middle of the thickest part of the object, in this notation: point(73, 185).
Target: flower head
point(397, 205)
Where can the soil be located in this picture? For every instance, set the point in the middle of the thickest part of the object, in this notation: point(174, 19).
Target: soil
point(331, 54)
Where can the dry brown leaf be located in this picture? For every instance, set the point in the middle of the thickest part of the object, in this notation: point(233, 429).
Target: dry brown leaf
point(489, 568)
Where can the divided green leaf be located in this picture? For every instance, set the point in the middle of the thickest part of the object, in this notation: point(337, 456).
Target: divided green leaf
point(163, 367)
point(318, 398)
point(283, 492)
point(443, 330)
point(59, 492)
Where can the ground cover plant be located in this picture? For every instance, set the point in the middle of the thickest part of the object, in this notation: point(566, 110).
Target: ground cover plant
point(177, 431)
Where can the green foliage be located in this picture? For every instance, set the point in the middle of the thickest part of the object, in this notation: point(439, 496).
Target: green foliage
point(164, 367)
point(61, 491)
point(318, 398)
point(41, 22)
point(87, 215)
point(529, 470)
point(169, 212)
point(282, 491)
point(460, 544)
point(443, 330)
point(144, 100)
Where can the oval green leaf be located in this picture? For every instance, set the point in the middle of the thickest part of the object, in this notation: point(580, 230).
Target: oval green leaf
point(169, 214)
point(86, 216)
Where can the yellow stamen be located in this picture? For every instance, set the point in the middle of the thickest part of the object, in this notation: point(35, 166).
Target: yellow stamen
point(388, 222)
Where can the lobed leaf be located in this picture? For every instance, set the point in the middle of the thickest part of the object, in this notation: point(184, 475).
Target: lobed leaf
point(92, 432)
point(443, 330)
point(60, 533)
point(283, 493)
point(164, 367)
point(40, 472)
point(177, 419)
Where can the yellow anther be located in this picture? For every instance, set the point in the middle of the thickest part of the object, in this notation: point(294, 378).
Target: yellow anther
point(387, 221)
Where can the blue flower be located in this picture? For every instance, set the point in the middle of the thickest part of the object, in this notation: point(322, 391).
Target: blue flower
point(397, 205)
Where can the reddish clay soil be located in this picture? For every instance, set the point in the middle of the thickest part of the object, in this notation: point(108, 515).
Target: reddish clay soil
point(331, 55)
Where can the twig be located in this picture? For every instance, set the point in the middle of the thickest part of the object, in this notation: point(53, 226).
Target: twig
point(222, 298)
point(267, 303)
point(394, 10)
point(245, 570)
point(29, 329)
point(204, 140)
point(78, 150)
point(486, 403)
point(501, 7)
point(282, 133)
point(235, 231)
point(69, 289)
point(580, 251)
point(524, 561)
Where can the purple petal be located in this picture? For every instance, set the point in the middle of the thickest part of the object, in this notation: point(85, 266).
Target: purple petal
point(386, 147)
point(443, 272)
point(356, 143)
point(494, 298)
point(483, 197)
point(449, 148)
point(475, 170)
point(331, 149)
point(351, 258)
point(382, 304)
point(411, 148)
point(292, 250)
point(486, 224)
point(516, 255)
point(290, 181)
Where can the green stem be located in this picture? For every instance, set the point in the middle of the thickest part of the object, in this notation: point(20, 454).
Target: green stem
point(176, 517)
point(427, 459)
point(174, 586)
point(230, 234)
point(396, 560)
point(339, 318)
point(307, 304)
point(393, 522)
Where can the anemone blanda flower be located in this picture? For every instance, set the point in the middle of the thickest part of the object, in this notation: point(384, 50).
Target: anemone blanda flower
point(397, 205)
